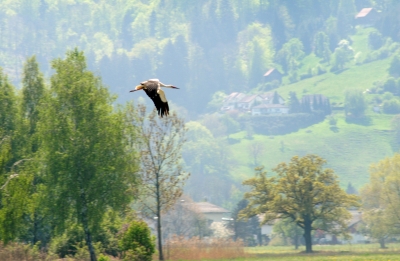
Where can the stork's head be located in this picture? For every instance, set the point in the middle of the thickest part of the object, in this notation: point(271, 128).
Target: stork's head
point(138, 88)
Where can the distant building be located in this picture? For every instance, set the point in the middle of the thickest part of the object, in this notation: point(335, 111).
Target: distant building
point(272, 74)
point(264, 109)
point(243, 102)
point(268, 98)
point(230, 102)
point(211, 212)
point(248, 102)
point(367, 17)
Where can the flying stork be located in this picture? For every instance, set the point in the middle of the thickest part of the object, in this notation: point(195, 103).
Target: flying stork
point(152, 88)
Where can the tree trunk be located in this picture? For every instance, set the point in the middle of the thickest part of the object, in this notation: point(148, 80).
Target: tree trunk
point(307, 236)
point(296, 241)
point(85, 224)
point(158, 197)
point(382, 243)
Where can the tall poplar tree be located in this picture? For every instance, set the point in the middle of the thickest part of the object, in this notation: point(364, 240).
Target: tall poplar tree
point(33, 92)
point(86, 146)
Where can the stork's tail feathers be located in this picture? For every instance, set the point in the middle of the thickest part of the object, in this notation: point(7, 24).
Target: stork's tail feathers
point(164, 109)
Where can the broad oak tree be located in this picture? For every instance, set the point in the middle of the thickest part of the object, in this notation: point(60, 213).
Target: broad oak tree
point(303, 192)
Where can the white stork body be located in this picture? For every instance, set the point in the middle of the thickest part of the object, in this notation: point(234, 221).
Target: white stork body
point(152, 88)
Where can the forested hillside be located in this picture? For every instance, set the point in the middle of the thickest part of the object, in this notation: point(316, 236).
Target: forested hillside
point(202, 46)
point(211, 48)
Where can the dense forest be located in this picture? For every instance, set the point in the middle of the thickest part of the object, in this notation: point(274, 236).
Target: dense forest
point(202, 46)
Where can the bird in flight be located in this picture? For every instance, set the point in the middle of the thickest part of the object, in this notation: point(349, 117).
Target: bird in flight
point(152, 88)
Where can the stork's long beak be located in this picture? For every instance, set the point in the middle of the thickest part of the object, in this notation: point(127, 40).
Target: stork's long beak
point(174, 87)
point(137, 88)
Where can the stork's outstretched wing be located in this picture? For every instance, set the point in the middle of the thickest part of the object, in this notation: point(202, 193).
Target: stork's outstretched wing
point(152, 88)
point(162, 107)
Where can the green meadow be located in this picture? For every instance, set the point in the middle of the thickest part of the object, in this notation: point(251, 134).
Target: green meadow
point(350, 148)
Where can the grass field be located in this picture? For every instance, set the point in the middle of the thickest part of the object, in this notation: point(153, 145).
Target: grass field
point(325, 252)
point(349, 150)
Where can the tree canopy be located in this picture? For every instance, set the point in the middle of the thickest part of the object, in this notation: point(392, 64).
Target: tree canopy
point(304, 192)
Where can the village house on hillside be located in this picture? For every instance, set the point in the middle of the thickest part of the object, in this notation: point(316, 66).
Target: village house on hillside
point(230, 102)
point(257, 104)
point(367, 17)
point(272, 75)
point(249, 101)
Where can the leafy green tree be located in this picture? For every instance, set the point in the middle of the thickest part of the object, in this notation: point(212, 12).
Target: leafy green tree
point(162, 174)
point(33, 93)
point(390, 85)
point(343, 54)
point(345, 17)
point(303, 192)
point(86, 146)
point(245, 230)
point(321, 45)
point(232, 126)
point(290, 55)
point(14, 178)
point(354, 103)
point(294, 103)
point(391, 106)
point(216, 101)
point(375, 40)
point(351, 190)
point(380, 199)
point(288, 229)
point(395, 126)
point(137, 243)
point(394, 68)
point(208, 159)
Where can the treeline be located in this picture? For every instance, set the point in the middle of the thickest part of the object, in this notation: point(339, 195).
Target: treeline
point(68, 163)
point(202, 46)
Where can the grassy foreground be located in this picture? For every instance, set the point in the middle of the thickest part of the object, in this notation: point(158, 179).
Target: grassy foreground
point(356, 252)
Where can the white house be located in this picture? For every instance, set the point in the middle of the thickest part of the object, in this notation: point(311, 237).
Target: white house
point(264, 109)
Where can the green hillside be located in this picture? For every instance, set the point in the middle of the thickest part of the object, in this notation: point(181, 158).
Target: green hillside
point(349, 151)
point(351, 148)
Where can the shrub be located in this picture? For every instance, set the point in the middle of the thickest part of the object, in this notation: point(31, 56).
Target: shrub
point(390, 85)
point(15, 251)
point(137, 243)
point(394, 68)
point(375, 40)
point(391, 106)
point(179, 248)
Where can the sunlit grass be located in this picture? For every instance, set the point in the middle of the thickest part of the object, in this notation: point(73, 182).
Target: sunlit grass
point(356, 252)
point(349, 150)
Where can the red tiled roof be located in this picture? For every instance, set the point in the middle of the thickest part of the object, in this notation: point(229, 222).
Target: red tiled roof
point(364, 12)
